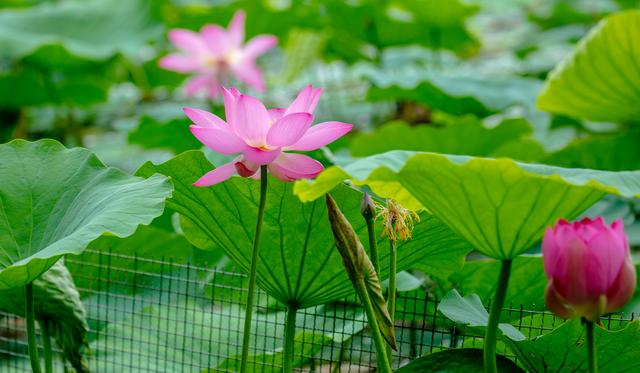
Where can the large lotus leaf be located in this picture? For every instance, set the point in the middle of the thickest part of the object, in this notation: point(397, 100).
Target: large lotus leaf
point(526, 284)
point(565, 349)
point(602, 152)
point(94, 30)
point(500, 206)
point(451, 92)
point(157, 134)
point(600, 80)
point(28, 87)
point(298, 261)
point(465, 135)
point(54, 201)
point(456, 361)
point(429, 24)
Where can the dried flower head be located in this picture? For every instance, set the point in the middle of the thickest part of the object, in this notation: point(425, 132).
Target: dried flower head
point(398, 221)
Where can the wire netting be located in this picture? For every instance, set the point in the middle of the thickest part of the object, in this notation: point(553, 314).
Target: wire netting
point(149, 315)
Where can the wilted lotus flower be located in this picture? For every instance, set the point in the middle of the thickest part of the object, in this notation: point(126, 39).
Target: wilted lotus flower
point(215, 54)
point(262, 136)
point(589, 268)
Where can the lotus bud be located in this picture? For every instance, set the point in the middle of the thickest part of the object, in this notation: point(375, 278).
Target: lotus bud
point(367, 207)
point(589, 268)
point(359, 268)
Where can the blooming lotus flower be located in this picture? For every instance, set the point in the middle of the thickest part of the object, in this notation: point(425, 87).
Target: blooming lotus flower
point(263, 137)
point(216, 54)
point(589, 268)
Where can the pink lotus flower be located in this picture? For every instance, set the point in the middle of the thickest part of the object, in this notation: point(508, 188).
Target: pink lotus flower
point(216, 54)
point(263, 136)
point(589, 268)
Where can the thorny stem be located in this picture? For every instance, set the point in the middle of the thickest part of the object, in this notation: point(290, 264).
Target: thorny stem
point(490, 363)
point(246, 336)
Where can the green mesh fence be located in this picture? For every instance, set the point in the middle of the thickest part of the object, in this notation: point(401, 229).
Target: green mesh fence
point(160, 316)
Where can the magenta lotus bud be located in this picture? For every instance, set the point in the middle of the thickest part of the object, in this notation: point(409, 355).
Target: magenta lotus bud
point(589, 268)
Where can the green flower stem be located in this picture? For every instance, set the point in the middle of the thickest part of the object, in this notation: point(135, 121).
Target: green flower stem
point(591, 347)
point(391, 299)
point(46, 348)
point(381, 352)
point(490, 364)
point(373, 245)
point(246, 336)
point(31, 329)
point(289, 335)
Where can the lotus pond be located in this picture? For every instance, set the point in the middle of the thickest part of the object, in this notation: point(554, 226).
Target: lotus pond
point(319, 186)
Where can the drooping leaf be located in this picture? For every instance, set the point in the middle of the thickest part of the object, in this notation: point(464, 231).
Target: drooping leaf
point(470, 311)
point(58, 308)
point(115, 27)
point(500, 206)
point(456, 361)
point(565, 349)
point(599, 81)
point(54, 201)
point(298, 261)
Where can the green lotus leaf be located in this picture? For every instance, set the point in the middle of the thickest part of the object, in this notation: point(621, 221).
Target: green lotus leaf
point(54, 201)
point(470, 311)
point(115, 27)
point(465, 135)
point(602, 152)
point(600, 80)
point(456, 361)
point(500, 206)
point(298, 261)
point(450, 92)
point(565, 349)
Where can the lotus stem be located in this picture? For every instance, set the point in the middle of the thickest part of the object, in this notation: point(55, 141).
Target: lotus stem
point(289, 336)
point(591, 347)
point(46, 347)
point(373, 245)
point(246, 336)
point(490, 363)
point(378, 340)
point(31, 329)
point(391, 299)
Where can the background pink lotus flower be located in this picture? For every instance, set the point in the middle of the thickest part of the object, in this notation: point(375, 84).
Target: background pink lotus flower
point(263, 136)
point(589, 268)
point(216, 54)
